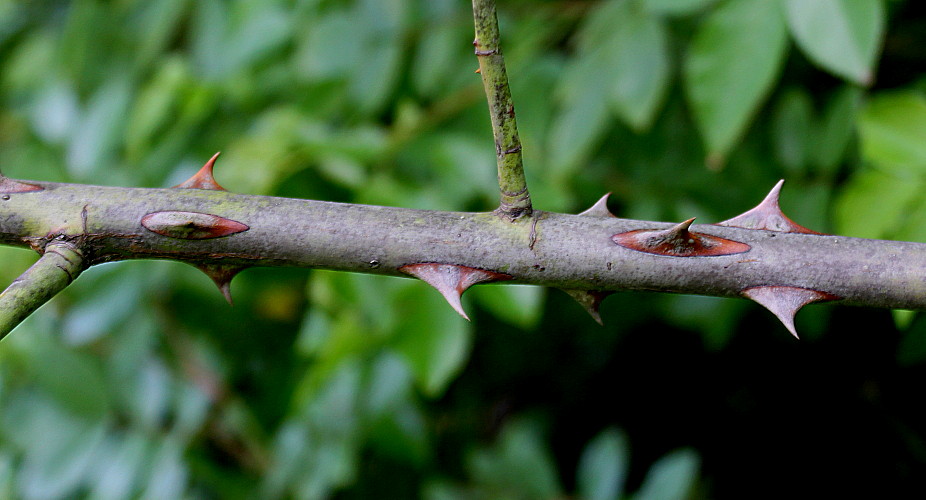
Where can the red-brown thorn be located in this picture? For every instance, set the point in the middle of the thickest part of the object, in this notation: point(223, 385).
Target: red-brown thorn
point(9, 186)
point(203, 179)
point(222, 276)
point(678, 241)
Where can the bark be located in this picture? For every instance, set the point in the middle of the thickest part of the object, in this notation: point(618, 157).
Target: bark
point(222, 232)
point(515, 197)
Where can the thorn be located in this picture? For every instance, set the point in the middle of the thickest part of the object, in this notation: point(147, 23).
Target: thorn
point(9, 186)
point(678, 241)
point(600, 208)
point(785, 301)
point(767, 215)
point(478, 70)
point(452, 280)
point(591, 300)
point(222, 276)
point(680, 230)
point(203, 179)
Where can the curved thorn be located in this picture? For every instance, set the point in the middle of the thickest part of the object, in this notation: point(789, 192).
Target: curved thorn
point(452, 280)
point(767, 215)
point(222, 276)
point(680, 230)
point(600, 208)
point(204, 178)
point(590, 300)
point(785, 301)
point(9, 186)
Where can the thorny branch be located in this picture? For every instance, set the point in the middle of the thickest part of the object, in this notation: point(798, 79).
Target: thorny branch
point(761, 255)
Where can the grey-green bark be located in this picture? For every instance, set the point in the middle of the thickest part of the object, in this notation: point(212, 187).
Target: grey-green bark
point(760, 254)
point(515, 198)
point(60, 264)
point(548, 249)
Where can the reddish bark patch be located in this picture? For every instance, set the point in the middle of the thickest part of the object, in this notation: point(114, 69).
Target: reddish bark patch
point(678, 241)
point(9, 186)
point(191, 225)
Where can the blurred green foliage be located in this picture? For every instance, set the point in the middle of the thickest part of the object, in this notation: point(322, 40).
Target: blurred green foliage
point(139, 381)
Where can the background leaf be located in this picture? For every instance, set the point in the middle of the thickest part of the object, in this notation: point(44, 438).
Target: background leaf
point(603, 467)
point(733, 61)
point(843, 36)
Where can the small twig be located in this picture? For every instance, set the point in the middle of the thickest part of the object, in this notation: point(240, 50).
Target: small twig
point(515, 198)
point(61, 263)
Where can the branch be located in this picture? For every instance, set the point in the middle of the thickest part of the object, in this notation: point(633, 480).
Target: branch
point(515, 198)
point(60, 264)
point(761, 255)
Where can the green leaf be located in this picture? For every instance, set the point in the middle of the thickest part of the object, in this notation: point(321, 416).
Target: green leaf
point(835, 129)
point(732, 64)
point(74, 379)
point(792, 122)
point(519, 465)
point(581, 121)
point(59, 450)
point(7, 469)
point(156, 22)
point(676, 7)
point(432, 337)
point(842, 36)
point(903, 318)
point(603, 467)
point(912, 348)
point(873, 203)
point(167, 471)
point(54, 112)
point(637, 52)
point(893, 132)
point(519, 305)
point(121, 462)
point(156, 105)
point(100, 129)
point(913, 227)
point(671, 477)
point(438, 59)
point(624, 63)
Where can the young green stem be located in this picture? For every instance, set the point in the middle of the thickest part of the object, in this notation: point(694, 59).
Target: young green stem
point(61, 263)
point(515, 198)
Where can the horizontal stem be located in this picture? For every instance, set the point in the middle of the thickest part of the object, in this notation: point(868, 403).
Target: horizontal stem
point(549, 249)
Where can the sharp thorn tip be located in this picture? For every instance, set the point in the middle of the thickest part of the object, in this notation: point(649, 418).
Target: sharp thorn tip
point(600, 208)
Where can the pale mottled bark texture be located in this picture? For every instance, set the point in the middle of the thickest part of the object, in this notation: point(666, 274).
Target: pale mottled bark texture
point(575, 252)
